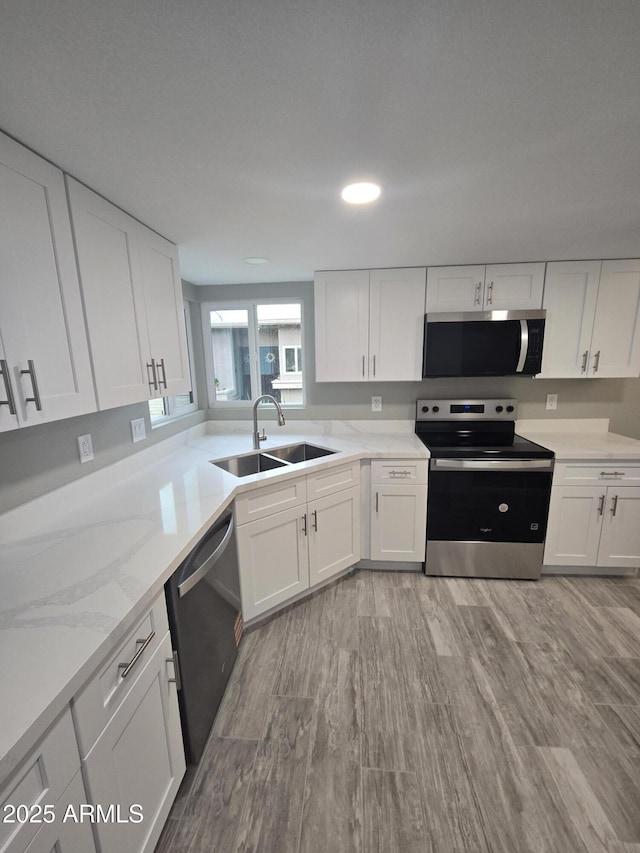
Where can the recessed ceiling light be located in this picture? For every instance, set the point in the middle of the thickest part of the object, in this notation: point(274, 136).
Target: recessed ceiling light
point(361, 193)
point(256, 260)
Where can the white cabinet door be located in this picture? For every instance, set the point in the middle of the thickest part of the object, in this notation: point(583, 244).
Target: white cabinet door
point(334, 534)
point(570, 296)
point(397, 299)
point(139, 759)
point(398, 522)
point(620, 539)
point(575, 522)
point(41, 321)
point(513, 287)
point(67, 834)
point(455, 289)
point(164, 312)
point(342, 325)
point(615, 343)
point(273, 560)
point(109, 262)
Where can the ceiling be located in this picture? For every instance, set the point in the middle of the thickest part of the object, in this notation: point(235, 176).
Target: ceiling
point(501, 130)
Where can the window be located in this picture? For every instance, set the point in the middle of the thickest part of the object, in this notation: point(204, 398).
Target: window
point(292, 359)
point(254, 348)
point(162, 409)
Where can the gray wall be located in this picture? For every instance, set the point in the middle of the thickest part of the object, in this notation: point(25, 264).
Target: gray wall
point(617, 399)
point(40, 458)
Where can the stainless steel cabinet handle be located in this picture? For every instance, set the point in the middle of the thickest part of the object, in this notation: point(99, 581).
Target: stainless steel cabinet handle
point(31, 371)
point(162, 381)
point(615, 474)
point(127, 667)
point(377, 501)
point(363, 365)
point(585, 359)
point(601, 505)
point(396, 474)
point(596, 361)
point(153, 382)
point(490, 294)
point(176, 670)
point(478, 289)
point(374, 365)
point(614, 506)
point(315, 520)
point(304, 523)
point(10, 401)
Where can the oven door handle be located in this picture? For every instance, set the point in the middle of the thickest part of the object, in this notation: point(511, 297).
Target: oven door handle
point(492, 464)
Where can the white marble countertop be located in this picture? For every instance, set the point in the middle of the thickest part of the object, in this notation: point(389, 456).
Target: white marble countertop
point(79, 565)
point(575, 440)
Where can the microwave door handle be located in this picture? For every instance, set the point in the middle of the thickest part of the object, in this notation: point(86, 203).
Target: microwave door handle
point(524, 345)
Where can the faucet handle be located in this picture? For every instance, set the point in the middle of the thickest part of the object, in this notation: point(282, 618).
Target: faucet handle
point(262, 437)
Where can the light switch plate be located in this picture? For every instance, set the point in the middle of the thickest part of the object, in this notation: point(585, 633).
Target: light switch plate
point(552, 402)
point(85, 448)
point(376, 404)
point(138, 430)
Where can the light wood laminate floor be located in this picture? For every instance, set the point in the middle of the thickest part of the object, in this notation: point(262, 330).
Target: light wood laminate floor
point(399, 713)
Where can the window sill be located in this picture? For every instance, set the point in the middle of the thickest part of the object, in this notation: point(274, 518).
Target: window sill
point(171, 419)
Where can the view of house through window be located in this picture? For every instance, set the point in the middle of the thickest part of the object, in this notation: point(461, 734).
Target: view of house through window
point(257, 349)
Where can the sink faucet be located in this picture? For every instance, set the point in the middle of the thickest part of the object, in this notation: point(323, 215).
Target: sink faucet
point(257, 438)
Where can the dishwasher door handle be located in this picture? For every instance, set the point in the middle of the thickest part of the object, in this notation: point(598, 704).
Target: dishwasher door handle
point(189, 582)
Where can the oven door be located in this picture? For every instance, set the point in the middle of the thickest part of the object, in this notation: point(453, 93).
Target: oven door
point(487, 518)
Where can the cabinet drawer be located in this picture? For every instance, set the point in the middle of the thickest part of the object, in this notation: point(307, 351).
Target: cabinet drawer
point(41, 780)
point(589, 474)
point(96, 703)
point(399, 471)
point(270, 499)
point(331, 480)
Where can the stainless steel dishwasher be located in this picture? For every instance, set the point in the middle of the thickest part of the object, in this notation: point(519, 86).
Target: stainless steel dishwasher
point(203, 600)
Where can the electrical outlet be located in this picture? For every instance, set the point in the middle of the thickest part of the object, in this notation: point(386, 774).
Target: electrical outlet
point(85, 448)
point(138, 430)
point(376, 404)
point(552, 402)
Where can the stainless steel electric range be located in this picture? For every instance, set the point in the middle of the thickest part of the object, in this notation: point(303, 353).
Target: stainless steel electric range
point(488, 493)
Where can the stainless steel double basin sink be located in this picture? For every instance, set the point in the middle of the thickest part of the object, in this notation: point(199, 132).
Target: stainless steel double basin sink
point(268, 460)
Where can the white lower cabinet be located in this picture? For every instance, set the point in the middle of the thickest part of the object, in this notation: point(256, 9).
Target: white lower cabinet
point(137, 763)
point(45, 783)
point(71, 831)
point(285, 552)
point(398, 510)
point(594, 525)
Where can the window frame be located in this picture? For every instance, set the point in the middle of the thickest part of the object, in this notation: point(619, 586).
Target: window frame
point(251, 306)
point(169, 402)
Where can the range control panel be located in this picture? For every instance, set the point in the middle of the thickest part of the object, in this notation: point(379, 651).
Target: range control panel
point(503, 409)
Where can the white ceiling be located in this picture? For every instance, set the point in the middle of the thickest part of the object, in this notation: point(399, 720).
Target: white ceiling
point(501, 130)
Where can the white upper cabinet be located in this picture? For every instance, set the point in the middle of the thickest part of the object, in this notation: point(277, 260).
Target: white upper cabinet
point(342, 325)
point(133, 303)
point(496, 287)
point(593, 316)
point(369, 325)
point(615, 343)
point(46, 372)
point(164, 309)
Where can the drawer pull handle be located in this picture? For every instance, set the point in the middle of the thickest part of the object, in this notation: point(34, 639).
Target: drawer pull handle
point(601, 505)
point(377, 504)
point(585, 358)
point(614, 506)
point(612, 473)
point(176, 670)
point(596, 362)
point(315, 520)
point(399, 473)
point(4, 370)
point(127, 667)
point(303, 519)
point(31, 373)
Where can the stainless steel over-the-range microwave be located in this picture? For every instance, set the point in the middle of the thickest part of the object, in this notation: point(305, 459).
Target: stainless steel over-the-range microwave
point(483, 343)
